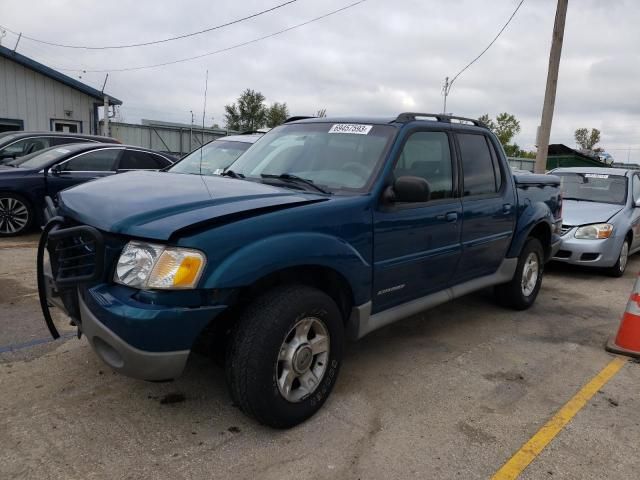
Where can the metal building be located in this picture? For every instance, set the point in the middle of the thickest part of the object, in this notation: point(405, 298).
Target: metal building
point(35, 97)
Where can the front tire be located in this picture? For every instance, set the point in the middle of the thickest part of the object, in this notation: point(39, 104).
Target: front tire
point(285, 355)
point(16, 215)
point(621, 265)
point(522, 290)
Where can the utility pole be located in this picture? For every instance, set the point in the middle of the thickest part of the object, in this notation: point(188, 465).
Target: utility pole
point(105, 126)
point(445, 92)
point(191, 134)
point(552, 83)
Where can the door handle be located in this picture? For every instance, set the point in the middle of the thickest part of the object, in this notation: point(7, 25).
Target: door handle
point(506, 208)
point(449, 217)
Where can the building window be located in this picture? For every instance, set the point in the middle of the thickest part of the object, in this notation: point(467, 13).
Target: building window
point(10, 125)
point(66, 126)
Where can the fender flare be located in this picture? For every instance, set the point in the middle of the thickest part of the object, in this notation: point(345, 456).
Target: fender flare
point(531, 217)
point(271, 254)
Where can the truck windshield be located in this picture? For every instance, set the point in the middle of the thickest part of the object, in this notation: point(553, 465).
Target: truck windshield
point(593, 187)
point(212, 158)
point(334, 156)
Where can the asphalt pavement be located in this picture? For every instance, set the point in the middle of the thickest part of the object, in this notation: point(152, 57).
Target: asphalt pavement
point(452, 393)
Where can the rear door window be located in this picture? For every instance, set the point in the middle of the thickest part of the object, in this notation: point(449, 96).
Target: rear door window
point(481, 174)
point(137, 160)
point(94, 161)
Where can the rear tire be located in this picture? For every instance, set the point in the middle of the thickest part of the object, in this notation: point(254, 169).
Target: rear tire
point(522, 290)
point(621, 265)
point(285, 354)
point(16, 215)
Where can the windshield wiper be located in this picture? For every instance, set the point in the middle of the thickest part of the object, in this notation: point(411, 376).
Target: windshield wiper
point(289, 177)
point(232, 174)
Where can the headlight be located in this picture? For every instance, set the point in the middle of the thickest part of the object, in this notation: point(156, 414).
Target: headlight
point(594, 232)
point(148, 266)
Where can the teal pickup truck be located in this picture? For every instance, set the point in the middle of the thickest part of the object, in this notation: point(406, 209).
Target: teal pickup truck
point(323, 230)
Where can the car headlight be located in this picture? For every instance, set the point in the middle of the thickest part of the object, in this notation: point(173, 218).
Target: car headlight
point(596, 231)
point(153, 266)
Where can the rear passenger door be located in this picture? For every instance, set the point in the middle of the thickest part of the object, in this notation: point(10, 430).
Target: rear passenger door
point(488, 207)
point(132, 159)
point(417, 245)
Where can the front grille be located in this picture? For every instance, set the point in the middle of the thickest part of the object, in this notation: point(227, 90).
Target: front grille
point(566, 229)
point(76, 254)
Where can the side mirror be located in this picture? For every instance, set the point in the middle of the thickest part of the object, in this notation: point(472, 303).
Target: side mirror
point(411, 190)
point(636, 203)
point(55, 170)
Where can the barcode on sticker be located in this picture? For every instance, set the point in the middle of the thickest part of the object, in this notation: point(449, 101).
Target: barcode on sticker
point(596, 175)
point(351, 128)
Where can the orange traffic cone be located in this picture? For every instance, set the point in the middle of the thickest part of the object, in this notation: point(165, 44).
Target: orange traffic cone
point(627, 341)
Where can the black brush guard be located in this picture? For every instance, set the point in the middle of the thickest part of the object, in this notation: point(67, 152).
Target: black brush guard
point(76, 256)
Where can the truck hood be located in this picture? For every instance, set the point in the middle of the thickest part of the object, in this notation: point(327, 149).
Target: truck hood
point(157, 205)
point(575, 212)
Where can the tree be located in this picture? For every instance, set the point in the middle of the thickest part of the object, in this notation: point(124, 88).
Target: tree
point(506, 126)
point(277, 114)
point(587, 139)
point(248, 114)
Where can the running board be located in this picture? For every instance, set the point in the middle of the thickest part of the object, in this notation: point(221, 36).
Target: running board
point(362, 322)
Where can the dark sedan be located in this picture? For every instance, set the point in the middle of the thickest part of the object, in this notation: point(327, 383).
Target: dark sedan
point(26, 181)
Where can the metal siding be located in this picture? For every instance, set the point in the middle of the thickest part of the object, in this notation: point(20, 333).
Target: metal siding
point(36, 99)
point(144, 136)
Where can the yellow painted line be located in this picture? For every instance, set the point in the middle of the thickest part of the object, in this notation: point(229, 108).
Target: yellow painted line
point(530, 450)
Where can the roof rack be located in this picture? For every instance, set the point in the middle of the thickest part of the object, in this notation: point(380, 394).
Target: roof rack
point(439, 117)
point(299, 117)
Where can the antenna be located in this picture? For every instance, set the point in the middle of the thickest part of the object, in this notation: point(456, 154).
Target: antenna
point(204, 112)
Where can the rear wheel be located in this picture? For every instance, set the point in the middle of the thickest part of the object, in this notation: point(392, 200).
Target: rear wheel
point(522, 290)
point(621, 264)
point(16, 215)
point(285, 354)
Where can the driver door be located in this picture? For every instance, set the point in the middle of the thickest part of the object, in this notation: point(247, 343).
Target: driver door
point(82, 168)
point(417, 245)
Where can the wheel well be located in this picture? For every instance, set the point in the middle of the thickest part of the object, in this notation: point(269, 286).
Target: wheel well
point(629, 236)
point(213, 338)
point(542, 232)
point(323, 278)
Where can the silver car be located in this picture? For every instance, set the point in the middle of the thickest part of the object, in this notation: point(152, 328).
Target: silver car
point(601, 217)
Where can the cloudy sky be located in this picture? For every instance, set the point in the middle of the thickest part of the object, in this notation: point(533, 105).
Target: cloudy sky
point(379, 57)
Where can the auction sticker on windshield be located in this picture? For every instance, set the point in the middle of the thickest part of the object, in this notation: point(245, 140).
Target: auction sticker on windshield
point(351, 128)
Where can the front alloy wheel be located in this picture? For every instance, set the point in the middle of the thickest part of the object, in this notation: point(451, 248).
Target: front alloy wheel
point(303, 359)
point(15, 215)
point(621, 265)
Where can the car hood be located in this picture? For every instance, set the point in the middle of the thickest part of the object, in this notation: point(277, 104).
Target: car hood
point(158, 205)
point(575, 212)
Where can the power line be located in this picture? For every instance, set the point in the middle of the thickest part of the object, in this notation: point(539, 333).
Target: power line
point(449, 84)
point(154, 42)
point(233, 47)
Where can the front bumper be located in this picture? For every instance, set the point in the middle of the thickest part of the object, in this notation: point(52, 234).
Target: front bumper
point(149, 342)
point(126, 358)
point(592, 253)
